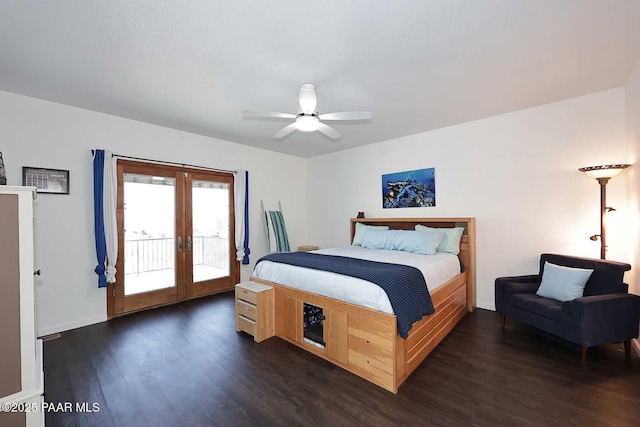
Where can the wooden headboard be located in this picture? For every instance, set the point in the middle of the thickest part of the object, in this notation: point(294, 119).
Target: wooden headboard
point(467, 244)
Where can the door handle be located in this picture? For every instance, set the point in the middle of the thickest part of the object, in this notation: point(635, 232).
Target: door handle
point(179, 244)
point(189, 243)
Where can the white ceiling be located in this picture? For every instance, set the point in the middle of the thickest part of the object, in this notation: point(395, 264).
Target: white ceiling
point(416, 65)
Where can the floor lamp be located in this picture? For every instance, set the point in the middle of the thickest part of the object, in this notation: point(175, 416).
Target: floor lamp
point(603, 174)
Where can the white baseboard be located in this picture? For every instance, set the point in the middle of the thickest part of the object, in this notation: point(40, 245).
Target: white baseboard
point(485, 305)
point(71, 325)
point(636, 344)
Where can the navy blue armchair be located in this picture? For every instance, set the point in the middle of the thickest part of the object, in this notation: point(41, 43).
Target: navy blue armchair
point(606, 312)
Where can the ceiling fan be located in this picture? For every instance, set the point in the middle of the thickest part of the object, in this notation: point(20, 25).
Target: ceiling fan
point(308, 120)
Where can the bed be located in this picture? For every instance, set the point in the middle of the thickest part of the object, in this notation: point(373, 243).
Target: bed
point(365, 341)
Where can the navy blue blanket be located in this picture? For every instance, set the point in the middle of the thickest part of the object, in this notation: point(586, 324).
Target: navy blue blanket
point(404, 285)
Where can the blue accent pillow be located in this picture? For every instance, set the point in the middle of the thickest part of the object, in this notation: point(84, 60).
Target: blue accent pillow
point(451, 241)
point(563, 283)
point(361, 228)
point(402, 240)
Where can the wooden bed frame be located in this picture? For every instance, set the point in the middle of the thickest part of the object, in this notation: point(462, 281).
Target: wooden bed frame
point(365, 341)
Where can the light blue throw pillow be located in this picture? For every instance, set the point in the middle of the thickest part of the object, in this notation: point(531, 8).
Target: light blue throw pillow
point(451, 241)
point(563, 283)
point(401, 240)
point(361, 228)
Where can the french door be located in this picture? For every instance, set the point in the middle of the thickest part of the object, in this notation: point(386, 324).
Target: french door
point(175, 236)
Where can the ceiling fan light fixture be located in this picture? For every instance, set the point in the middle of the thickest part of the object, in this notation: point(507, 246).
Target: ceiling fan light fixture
point(307, 123)
point(308, 119)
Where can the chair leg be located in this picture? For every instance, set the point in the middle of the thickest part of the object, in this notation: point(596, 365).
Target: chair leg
point(583, 353)
point(503, 320)
point(627, 348)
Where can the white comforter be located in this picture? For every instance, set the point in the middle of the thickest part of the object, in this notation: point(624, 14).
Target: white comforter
point(436, 269)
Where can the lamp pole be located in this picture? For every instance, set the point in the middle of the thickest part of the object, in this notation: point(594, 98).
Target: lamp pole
point(603, 215)
point(603, 174)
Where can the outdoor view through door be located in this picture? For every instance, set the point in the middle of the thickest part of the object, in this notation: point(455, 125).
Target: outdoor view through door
point(149, 230)
point(175, 235)
point(210, 230)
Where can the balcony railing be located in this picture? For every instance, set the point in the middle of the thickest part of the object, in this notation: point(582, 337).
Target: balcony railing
point(146, 255)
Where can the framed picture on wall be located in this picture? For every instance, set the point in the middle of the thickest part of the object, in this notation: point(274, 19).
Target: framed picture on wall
point(409, 189)
point(52, 181)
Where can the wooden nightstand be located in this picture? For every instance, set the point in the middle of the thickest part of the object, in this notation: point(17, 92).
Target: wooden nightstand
point(308, 248)
point(255, 310)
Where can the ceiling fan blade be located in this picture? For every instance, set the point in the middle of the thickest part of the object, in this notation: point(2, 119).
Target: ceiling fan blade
point(258, 114)
point(329, 131)
point(347, 115)
point(285, 131)
point(307, 98)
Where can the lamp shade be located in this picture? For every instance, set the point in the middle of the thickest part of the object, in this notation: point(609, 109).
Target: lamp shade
point(606, 171)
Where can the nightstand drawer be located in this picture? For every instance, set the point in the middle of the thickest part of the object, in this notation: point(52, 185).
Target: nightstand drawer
point(246, 295)
point(245, 324)
point(246, 309)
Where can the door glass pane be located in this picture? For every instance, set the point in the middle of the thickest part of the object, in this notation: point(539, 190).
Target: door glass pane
point(149, 233)
point(210, 212)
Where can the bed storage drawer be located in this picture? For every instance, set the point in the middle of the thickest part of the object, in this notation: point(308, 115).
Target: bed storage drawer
point(366, 354)
point(371, 344)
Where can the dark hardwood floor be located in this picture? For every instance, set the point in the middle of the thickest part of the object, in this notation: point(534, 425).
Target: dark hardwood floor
point(184, 365)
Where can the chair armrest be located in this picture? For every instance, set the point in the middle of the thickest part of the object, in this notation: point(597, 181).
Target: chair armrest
point(515, 285)
point(519, 284)
point(606, 318)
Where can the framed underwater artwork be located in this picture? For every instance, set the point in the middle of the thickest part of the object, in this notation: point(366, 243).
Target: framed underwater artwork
point(410, 189)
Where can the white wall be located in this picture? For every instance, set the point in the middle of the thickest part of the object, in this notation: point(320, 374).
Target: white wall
point(44, 134)
point(632, 92)
point(517, 174)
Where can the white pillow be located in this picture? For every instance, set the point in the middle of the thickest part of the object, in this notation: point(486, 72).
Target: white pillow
point(361, 228)
point(563, 283)
point(451, 241)
point(401, 240)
